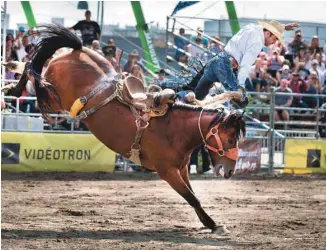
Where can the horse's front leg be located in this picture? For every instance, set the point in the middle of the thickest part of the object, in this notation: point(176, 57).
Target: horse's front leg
point(200, 211)
point(172, 176)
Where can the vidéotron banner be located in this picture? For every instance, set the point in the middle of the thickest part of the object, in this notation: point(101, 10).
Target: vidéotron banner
point(54, 152)
point(305, 156)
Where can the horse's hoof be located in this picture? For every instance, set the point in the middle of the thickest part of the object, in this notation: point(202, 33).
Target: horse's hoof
point(221, 230)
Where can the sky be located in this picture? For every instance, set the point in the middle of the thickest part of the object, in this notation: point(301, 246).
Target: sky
point(156, 11)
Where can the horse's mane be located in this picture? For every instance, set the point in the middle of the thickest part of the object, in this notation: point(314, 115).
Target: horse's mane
point(228, 120)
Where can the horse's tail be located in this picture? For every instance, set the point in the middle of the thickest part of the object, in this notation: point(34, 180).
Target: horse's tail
point(52, 38)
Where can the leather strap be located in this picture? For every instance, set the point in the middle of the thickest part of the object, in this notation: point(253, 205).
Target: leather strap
point(90, 111)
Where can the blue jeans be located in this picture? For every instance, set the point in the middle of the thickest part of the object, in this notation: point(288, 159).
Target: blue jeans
point(218, 69)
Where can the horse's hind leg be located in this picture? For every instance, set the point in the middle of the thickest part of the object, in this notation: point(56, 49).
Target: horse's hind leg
point(102, 62)
point(174, 178)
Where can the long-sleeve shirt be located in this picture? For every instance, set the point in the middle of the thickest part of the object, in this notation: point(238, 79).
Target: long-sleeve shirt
point(245, 47)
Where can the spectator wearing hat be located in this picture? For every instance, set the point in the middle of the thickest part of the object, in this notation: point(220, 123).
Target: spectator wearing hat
point(284, 73)
point(89, 29)
point(240, 53)
point(296, 43)
point(133, 58)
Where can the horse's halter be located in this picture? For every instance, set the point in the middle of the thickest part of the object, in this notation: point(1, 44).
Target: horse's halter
point(231, 153)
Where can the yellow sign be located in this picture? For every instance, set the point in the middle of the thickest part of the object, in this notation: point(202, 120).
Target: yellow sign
point(23, 152)
point(305, 156)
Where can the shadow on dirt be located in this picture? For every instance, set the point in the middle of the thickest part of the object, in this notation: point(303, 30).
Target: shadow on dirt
point(166, 235)
point(141, 176)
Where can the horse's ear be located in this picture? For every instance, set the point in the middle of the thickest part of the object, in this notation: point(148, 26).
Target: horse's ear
point(241, 116)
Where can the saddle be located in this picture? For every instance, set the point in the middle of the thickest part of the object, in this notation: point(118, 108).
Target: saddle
point(148, 100)
point(144, 103)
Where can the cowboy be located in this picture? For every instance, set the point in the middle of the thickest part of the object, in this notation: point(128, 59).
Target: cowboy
point(232, 65)
point(133, 58)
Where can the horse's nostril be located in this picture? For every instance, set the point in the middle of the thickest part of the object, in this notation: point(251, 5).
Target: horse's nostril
point(231, 172)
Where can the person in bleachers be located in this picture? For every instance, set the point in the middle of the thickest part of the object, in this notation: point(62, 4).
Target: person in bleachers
point(257, 76)
point(203, 40)
point(274, 62)
point(297, 85)
point(307, 59)
point(299, 61)
point(215, 47)
point(311, 87)
point(133, 59)
point(314, 68)
point(321, 64)
point(296, 43)
point(181, 44)
point(284, 73)
point(29, 49)
point(195, 51)
point(97, 47)
point(283, 101)
point(89, 29)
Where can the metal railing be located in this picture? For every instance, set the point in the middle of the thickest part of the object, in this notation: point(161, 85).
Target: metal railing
point(273, 140)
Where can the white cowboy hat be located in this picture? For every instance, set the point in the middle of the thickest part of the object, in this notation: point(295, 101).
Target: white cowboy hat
point(274, 27)
point(15, 66)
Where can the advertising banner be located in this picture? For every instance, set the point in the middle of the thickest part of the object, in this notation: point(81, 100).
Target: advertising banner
point(21, 152)
point(249, 156)
point(305, 156)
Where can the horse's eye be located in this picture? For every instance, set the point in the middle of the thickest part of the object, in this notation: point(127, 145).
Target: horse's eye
point(230, 141)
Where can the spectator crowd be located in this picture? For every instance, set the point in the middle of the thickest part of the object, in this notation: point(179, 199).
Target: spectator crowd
point(298, 67)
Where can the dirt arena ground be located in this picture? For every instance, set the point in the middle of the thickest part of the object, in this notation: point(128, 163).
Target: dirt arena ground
point(139, 211)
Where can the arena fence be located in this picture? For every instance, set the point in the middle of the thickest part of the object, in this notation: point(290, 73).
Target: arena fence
point(261, 125)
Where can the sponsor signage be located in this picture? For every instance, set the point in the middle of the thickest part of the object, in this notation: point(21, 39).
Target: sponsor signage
point(54, 152)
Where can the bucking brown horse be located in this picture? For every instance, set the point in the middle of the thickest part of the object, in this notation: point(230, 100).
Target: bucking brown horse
point(167, 142)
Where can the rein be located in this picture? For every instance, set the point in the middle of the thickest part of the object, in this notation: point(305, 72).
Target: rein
point(231, 153)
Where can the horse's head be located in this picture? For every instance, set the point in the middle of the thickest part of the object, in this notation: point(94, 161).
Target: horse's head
point(222, 143)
